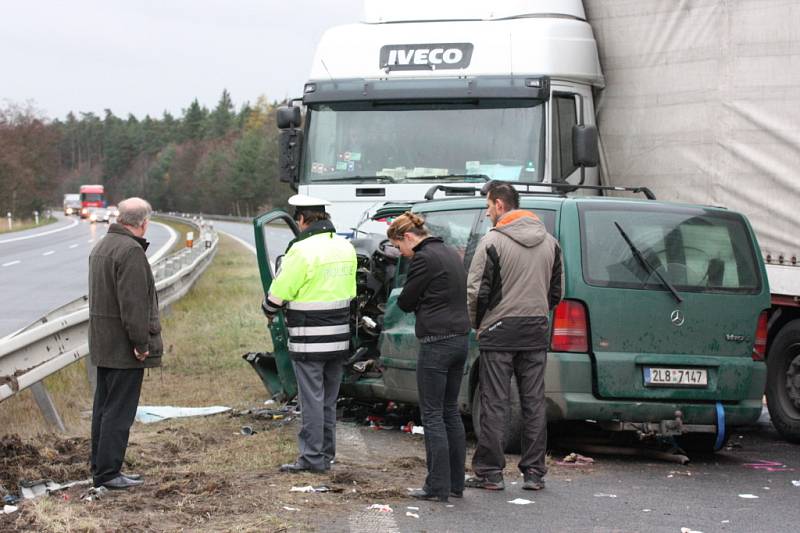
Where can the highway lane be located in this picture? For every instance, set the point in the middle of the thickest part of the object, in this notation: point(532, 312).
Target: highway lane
point(42, 269)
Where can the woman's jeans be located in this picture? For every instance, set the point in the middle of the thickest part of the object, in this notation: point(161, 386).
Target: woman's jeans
point(440, 368)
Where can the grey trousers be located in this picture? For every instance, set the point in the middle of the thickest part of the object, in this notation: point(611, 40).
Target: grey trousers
point(317, 389)
point(495, 379)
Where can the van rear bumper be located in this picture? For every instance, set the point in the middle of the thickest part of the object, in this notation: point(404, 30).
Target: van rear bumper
point(570, 396)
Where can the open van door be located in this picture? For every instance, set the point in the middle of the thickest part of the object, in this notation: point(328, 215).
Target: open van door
point(274, 231)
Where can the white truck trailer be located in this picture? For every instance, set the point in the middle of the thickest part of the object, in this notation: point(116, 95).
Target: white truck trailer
point(702, 105)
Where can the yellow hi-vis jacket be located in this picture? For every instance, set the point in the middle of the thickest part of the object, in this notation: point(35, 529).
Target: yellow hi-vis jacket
point(315, 285)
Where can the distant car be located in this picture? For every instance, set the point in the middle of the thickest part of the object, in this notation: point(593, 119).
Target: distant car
point(99, 214)
point(113, 211)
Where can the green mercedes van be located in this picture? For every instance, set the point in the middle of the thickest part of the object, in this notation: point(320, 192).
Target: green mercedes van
point(661, 333)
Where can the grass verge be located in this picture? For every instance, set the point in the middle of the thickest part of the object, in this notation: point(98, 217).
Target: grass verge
point(180, 228)
point(20, 225)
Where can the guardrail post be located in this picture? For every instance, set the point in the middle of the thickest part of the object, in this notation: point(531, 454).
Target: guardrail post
point(46, 406)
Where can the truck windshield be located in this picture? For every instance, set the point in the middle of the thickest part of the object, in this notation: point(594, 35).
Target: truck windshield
point(362, 141)
point(693, 249)
point(91, 197)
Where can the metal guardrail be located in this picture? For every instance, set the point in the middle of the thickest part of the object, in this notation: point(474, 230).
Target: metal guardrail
point(61, 337)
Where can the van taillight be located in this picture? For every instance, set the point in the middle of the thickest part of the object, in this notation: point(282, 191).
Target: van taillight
point(760, 346)
point(570, 328)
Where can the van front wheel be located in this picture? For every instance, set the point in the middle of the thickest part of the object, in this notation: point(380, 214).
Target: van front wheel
point(513, 422)
point(783, 382)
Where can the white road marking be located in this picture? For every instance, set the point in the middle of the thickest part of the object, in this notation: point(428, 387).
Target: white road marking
point(73, 245)
point(51, 252)
point(10, 263)
point(15, 239)
point(173, 236)
point(244, 242)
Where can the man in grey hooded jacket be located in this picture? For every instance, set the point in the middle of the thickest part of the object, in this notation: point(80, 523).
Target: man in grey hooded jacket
point(515, 280)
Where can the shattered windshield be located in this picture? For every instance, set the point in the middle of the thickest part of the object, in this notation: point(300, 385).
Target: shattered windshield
point(361, 141)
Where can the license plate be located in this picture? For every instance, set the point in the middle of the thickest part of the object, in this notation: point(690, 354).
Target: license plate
point(675, 377)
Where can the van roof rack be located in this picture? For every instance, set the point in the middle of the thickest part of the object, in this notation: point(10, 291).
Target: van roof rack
point(561, 189)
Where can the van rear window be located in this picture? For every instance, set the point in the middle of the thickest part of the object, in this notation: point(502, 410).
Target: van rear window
point(695, 249)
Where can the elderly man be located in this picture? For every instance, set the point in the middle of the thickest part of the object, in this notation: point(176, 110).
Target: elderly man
point(124, 337)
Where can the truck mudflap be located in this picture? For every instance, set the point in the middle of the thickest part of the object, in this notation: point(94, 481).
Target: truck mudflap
point(278, 378)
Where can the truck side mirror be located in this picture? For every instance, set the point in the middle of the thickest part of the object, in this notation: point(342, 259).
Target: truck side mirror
point(288, 117)
point(290, 142)
point(584, 145)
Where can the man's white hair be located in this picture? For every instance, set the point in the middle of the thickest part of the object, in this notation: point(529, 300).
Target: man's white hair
point(134, 212)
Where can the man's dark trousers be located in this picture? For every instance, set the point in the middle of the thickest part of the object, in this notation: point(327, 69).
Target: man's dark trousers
point(317, 388)
point(496, 369)
point(440, 368)
point(115, 401)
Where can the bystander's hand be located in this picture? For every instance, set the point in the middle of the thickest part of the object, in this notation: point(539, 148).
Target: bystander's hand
point(140, 356)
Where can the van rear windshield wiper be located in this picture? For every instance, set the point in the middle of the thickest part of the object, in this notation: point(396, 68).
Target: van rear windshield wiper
point(646, 264)
point(483, 177)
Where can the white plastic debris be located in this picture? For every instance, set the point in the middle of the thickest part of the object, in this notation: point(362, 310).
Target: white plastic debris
point(412, 508)
point(309, 488)
point(290, 508)
point(155, 413)
point(645, 510)
point(418, 430)
point(689, 530)
point(604, 495)
point(725, 522)
point(381, 507)
point(520, 501)
point(796, 482)
point(449, 505)
point(412, 515)
point(8, 509)
point(270, 403)
point(748, 496)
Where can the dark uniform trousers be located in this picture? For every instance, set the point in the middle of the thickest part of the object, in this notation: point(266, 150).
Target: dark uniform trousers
point(496, 369)
point(115, 401)
point(317, 388)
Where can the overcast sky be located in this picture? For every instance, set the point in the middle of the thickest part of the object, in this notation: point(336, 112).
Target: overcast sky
point(147, 56)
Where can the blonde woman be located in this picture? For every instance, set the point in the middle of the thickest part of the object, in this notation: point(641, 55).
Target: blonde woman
point(435, 290)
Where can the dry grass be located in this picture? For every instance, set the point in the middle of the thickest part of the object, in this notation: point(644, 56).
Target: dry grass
point(24, 224)
point(179, 227)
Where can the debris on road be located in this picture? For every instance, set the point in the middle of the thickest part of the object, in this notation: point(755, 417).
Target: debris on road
point(410, 508)
point(520, 501)
point(412, 515)
point(689, 530)
point(796, 482)
point(320, 488)
point(768, 466)
point(748, 496)
point(575, 459)
point(604, 495)
point(418, 430)
point(148, 414)
point(380, 507)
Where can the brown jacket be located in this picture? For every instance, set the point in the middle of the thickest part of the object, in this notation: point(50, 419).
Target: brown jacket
point(123, 304)
point(514, 281)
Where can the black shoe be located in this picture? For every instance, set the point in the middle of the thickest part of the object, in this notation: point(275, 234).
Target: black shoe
point(489, 482)
point(532, 481)
point(121, 483)
point(422, 494)
point(135, 477)
point(297, 467)
point(457, 493)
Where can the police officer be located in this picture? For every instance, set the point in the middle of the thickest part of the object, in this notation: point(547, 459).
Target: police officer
point(315, 285)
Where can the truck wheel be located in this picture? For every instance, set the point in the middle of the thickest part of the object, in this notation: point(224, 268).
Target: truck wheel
point(783, 382)
point(513, 425)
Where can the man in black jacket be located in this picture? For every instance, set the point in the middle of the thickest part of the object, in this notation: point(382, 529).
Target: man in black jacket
point(124, 337)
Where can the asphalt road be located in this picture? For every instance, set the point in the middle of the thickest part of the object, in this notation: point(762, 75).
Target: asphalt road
point(44, 268)
point(748, 488)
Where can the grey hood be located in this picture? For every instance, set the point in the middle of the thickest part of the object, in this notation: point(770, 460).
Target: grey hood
point(523, 227)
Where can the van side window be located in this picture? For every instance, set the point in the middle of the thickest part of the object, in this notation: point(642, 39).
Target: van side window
point(564, 117)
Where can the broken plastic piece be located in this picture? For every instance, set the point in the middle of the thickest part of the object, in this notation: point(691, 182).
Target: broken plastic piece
point(154, 413)
point(412, 515)
point(520, 501)
point(418, 430)
point(380, 507)
point(796, 482)
point(8, 509)
point(290, 508)
point(604, 495)
point(748, 496)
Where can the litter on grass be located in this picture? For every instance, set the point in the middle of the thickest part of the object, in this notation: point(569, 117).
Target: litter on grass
point(95, 493)
point(520, 501)
point(380, 507)
point(8, 509)
point(34, 489)
point(290, 508)
point(309, 488)
point(147, 414)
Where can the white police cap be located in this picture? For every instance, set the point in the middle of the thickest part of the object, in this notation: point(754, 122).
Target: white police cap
point(302, 200)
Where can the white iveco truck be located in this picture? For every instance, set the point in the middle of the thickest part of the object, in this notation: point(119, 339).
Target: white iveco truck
point(423, 93)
